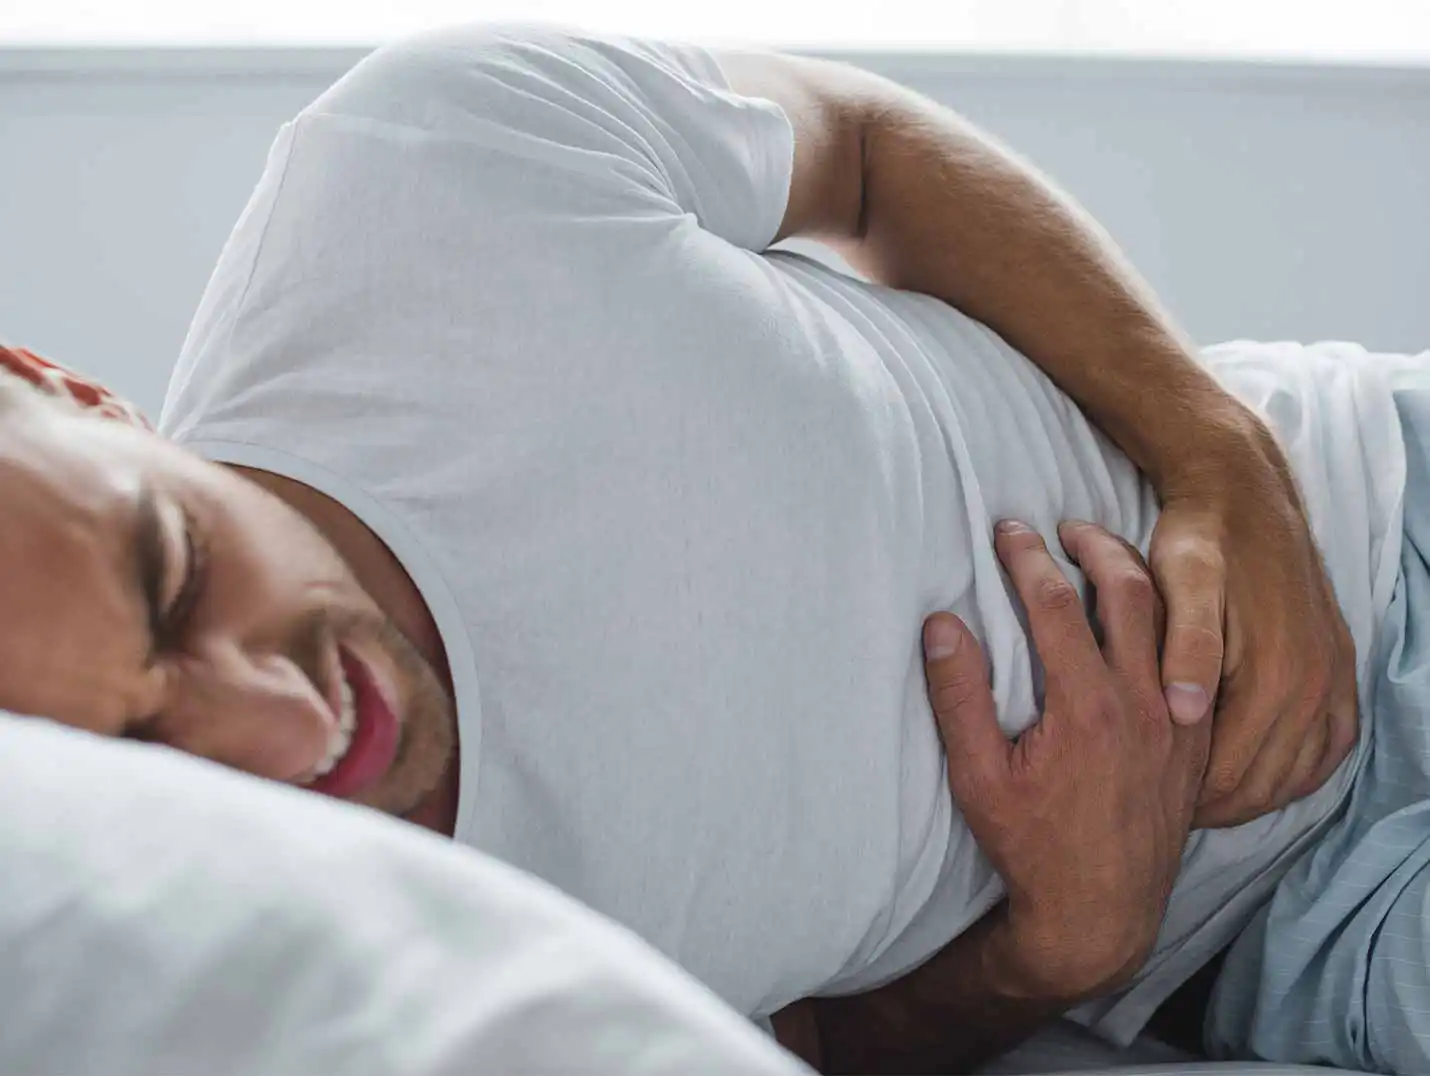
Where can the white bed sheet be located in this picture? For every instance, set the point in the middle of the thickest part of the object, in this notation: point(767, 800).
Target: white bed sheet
point(1068, 1049)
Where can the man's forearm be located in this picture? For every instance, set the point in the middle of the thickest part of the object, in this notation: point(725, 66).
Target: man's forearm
point(972, 1001)
point(948, 212)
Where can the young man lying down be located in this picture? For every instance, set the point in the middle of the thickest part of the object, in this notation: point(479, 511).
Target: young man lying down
point(512, 484)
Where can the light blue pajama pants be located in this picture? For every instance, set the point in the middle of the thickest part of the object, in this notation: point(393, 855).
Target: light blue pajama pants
point(1336, 969)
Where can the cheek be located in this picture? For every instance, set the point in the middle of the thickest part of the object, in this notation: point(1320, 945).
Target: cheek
point(71, 649)
point(258, 588)
point(244, 602)
point(81, 680)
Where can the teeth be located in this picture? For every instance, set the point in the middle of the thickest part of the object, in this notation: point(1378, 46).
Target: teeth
point(342, 737)
point(347, 716)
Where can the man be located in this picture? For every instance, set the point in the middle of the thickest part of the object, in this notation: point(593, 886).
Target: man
point(517, 410)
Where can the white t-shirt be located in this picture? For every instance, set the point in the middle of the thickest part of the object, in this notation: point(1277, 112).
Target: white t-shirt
point(680, 504)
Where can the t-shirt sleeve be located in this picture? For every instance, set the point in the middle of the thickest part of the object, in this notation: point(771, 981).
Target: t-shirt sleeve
point(653, 123)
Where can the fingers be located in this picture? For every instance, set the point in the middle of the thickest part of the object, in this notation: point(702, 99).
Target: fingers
point(1056, 618)
point(1191, 575)
point(1283, 765)
point(1315, 729)
point(962, 701)
point(1127, 599)
point(1336, 744)
point(1132, 617)
point(1342, 728)
point(1309, 756)
point(1268, 784)
point(1331, 738)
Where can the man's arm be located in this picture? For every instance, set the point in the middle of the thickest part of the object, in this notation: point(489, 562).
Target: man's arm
point(918, 198)
point(969, 1004)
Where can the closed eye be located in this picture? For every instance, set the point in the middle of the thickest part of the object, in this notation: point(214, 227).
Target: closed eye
point(156, 554)
point(175, 620)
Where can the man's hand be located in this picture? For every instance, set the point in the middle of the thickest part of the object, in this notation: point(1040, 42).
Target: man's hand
point(1250, 609)
point(1086, 814)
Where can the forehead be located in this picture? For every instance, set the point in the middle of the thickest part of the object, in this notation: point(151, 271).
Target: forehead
point(57, 479)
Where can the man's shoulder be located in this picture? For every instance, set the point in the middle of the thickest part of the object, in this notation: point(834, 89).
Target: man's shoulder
point(488, 68)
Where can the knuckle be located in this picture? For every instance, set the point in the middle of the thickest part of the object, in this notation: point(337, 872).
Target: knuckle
point(955, 691)
point(1248, 796)
point(1054, 594)
point(1195, 645)
point(1259, 801)
point(1342, 737)
point(1099, 701)
point(1195, 556)
point(1221, 780)
point(1197, 639)
point(1205, 559)
point(1135, 587)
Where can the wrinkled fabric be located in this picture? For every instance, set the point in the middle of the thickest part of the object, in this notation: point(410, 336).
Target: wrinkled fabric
point(1337, 968)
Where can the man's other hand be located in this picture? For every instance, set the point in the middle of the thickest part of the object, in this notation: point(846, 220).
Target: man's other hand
point(1251, 611)
point(1086, 814)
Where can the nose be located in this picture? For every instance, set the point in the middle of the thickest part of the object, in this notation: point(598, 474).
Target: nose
point(259, 713)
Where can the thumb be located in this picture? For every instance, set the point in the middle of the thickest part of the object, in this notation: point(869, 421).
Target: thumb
point(957, 675)
point(1191, 585)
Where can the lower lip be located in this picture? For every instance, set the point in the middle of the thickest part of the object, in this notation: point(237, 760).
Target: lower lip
point(374, 746)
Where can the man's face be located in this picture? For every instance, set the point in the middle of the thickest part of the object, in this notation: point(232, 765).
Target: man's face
point(149, 594)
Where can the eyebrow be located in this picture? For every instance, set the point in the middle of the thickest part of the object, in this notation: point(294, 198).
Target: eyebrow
point(150, 554)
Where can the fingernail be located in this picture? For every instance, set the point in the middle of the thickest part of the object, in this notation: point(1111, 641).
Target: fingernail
point(1068, 528)
point(1187, 702)
point(941, 640)
point(1010, 526)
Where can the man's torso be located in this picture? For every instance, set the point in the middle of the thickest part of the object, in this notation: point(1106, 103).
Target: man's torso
point(685, 507)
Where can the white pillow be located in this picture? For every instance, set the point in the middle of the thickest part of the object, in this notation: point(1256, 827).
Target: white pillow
point(161, 915)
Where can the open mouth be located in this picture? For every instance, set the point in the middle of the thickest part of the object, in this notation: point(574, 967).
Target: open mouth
point(362, 748)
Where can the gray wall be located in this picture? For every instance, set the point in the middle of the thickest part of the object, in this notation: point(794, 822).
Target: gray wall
point(1266, 201)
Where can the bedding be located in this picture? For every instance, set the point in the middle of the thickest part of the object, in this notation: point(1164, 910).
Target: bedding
point(160, 914)
point(1067, 1049)
point(1065, 1046)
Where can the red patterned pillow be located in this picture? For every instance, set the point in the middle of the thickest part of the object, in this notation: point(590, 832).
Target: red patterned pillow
point(56, 380)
